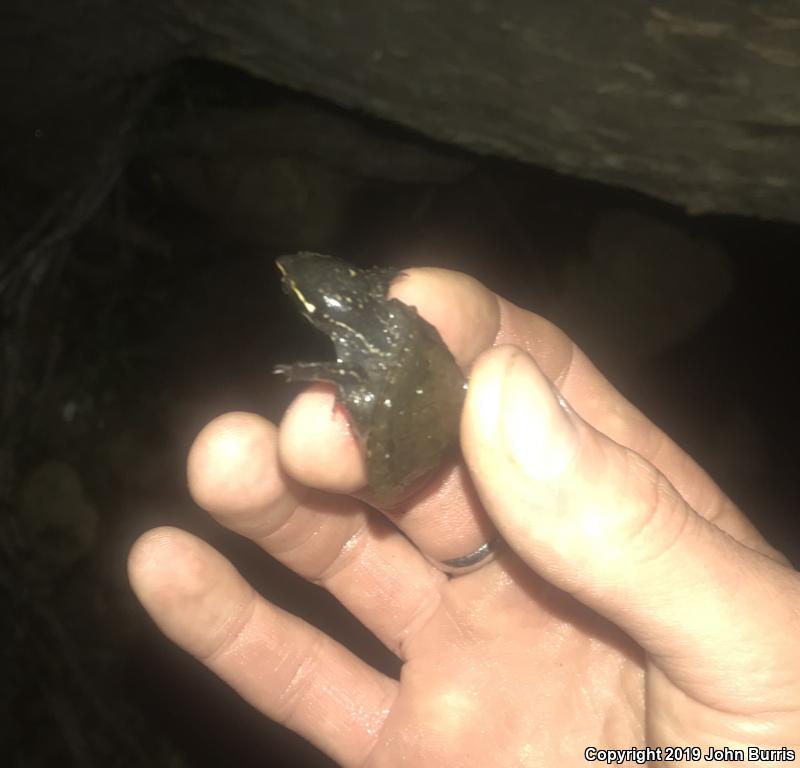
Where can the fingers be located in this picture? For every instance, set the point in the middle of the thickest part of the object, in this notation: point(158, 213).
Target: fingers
point(285, 668)
point(373, 570)
point(604, 524)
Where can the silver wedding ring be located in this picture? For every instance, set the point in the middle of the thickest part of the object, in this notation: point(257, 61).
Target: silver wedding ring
point(466, 563)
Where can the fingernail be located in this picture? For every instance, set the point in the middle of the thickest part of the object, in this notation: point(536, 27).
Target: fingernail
point(537, 429)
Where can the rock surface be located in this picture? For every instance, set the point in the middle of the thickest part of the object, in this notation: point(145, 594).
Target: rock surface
point(694, 102)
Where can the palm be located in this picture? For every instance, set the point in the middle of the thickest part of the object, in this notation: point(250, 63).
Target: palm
point(503, 663)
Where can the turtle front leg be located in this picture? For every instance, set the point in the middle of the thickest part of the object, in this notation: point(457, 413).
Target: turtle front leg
point(330, 372)
point(352, 388)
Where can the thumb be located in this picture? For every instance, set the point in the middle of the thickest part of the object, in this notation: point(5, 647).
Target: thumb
point(600, 522)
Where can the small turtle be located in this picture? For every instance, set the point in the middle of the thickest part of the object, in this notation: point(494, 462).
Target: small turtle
point(398, 381)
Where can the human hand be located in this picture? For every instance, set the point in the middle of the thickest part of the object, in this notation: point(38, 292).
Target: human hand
point(633, 604)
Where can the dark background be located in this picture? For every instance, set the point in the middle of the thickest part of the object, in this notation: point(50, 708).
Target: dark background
point(140, 300)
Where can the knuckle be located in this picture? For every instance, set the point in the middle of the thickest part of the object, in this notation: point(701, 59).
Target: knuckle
point(225, 638)
point(657, 518)
point(302, 679)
